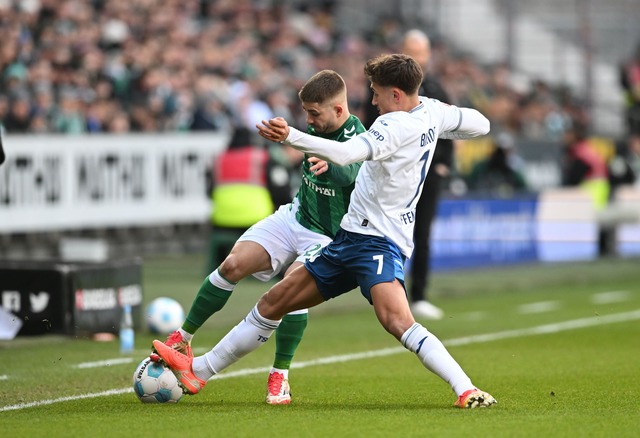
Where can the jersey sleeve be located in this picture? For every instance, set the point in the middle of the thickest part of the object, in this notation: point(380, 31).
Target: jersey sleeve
point(340, 153)
point(461, 123)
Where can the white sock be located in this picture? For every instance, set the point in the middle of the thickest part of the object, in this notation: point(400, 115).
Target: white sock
point(252, 332)
point(185, 335)
point(219, 281)
point(278, 370)
point(201, 369)
point(435, 357)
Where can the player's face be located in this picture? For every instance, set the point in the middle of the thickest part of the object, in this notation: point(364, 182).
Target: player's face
point(323, 117)
point(383, 98)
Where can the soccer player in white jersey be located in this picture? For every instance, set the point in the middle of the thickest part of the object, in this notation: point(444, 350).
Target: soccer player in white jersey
point(376, 234)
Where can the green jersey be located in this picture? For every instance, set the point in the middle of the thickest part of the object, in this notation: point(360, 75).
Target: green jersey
point(324, 199)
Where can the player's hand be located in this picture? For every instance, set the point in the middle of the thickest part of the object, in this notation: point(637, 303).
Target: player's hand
point(319, 166)
point(276, 129)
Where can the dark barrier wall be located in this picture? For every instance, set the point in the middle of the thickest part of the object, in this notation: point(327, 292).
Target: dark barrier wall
point(71, 298)
point(37, 293)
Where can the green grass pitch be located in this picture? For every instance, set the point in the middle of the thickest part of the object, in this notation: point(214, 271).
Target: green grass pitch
point(557, 345)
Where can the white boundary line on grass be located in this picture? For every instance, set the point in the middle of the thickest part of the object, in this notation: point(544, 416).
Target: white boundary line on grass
point(101, 363)
point(488, 337)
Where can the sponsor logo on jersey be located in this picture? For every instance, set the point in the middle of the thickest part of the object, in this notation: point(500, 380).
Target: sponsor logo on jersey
point(376, 134)
point(326, 191)
point(364, 223)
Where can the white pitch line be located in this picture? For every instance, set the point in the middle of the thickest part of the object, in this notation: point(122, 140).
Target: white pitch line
point(64, 399)
point(547, 328)
point(473, 316)
point(540, 307)
point(614, 296)
point(119, 361)
point(488, 337)
point(4, 377)
point(102, 363)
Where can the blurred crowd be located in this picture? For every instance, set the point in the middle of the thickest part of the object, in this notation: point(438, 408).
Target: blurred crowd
point(86, 66)
point(118, 66)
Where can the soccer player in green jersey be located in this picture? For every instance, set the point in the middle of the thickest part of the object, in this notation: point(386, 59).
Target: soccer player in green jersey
point(292, 235)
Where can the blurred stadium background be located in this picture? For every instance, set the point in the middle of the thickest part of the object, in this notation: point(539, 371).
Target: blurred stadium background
point(112, 112)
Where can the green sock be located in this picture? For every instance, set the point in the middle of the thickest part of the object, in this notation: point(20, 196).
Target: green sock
point(288, 337)
point(209, 300)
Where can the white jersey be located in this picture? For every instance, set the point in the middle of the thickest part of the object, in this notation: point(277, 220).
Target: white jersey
point(397, 149)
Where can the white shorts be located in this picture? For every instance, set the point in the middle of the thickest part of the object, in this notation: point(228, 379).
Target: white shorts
point(286, 241)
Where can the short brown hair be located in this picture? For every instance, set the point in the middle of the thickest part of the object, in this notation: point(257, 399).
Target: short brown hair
point(321, 87)
point(397, 70)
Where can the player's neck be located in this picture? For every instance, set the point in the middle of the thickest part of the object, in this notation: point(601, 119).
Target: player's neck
point(409, 104)
point(342, 120)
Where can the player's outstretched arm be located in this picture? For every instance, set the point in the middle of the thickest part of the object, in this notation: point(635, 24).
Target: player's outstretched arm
point(351, 151)
point(464, 123)
point(342, 154)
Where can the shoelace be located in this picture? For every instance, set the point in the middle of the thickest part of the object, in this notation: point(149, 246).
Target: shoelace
point(176, 342)
point(174, 338)
point(275, 383)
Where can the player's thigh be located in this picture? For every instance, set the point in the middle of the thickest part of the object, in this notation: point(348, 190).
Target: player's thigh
point(391, 307)
point(296, 291)
point(275, 235)
point(293, 266)
point(246, 257)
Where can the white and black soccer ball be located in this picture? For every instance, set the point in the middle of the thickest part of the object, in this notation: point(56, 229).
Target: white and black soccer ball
point(164, 315)
point(155, 383)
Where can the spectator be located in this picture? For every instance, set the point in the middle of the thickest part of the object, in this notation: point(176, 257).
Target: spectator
point(2, 156)
point(4, 110)
point(584, 167)
point(624, 166)
point(210, 115)
point(634, 156)
point(283, 173)
point(630, 81)
point(68, 118)
point(119, 123)
point(44, 106)
point(239, 193)
point(19, 117)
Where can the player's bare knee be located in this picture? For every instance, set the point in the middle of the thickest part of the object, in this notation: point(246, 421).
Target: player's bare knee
point(270, 307)
point(395, 325)
point(232, 268)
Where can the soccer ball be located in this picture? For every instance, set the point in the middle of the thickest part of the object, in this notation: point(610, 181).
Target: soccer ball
point(164, 315)
point(155, 383)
